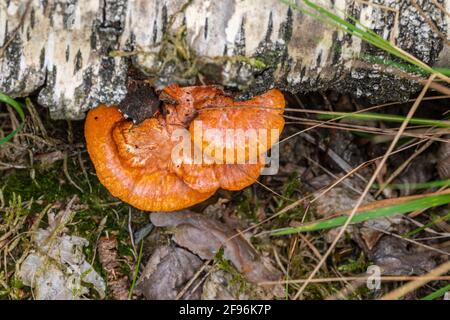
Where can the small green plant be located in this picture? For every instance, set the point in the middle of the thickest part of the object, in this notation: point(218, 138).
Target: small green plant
point(18, 108)
point(247, 204)
point(353, 265)
point(288, 190)
point(136, 271)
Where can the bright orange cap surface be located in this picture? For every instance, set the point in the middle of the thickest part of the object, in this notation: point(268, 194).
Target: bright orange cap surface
point(135, 163)
point(255, 123)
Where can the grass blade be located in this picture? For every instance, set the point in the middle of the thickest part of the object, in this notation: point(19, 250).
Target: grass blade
point(416, 186)
point(437, 293)
point(383, 117)
point(399, 206)
point(18, 108)
point(136, 271)
point(428, 225)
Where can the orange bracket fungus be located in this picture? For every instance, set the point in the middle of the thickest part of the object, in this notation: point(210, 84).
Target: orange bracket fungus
point(200, 140)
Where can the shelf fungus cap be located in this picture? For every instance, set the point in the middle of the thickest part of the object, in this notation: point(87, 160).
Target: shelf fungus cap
point(239, 130)
point(136, 164)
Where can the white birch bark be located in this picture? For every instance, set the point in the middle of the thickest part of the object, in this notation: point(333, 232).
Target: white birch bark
point(60, 49)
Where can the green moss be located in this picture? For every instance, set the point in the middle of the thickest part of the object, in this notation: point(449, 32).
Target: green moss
point(247, 205)
point(288, 197)
point(237, 278)
point(97, 212)
point(353, 265)
point(47, 184)
point(269, 57)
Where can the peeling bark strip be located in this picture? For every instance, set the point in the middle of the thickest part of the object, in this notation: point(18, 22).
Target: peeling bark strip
point(61, 47)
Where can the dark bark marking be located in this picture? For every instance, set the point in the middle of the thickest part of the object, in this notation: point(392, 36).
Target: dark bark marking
point(67, 53)
point(164, 19)
point(155, 31)
point(93, 39)
point(286, 27)
point(336, 50)
point(78, 63)
point(239, 42)
point(6, 30)
point(32, 18)
point(269, 27)
point(42, 58)
point(319, 58)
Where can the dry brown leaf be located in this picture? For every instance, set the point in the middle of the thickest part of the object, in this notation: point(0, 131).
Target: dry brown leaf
point(205, 236)
point(395, 257)
point(141, 101)
point(117, 282)
point(167, 272)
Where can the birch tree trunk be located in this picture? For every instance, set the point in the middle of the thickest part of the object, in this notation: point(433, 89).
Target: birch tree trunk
point(75, 53)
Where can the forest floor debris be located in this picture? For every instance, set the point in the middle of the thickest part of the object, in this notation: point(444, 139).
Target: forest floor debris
point(46, 165)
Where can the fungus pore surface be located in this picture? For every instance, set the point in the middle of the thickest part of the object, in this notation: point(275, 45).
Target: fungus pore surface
point(181, 156)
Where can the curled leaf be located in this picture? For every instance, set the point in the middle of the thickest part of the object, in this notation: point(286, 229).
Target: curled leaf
point(205, 237)
point(167, 272)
